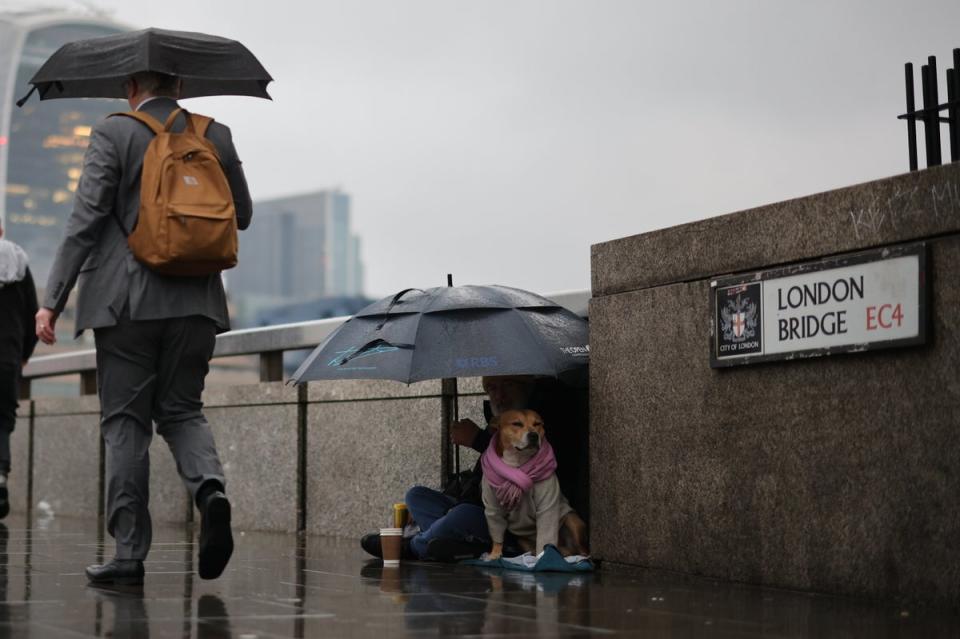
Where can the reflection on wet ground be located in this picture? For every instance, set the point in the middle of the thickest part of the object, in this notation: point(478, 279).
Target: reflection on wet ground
point(285, 586)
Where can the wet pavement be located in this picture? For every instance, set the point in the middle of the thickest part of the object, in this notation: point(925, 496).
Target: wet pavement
point(284, 586)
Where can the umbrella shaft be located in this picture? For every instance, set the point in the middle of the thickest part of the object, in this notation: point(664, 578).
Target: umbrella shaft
point(449, 413)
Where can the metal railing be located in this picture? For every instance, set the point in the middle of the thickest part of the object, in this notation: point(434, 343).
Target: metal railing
point(269, 342)
point(929, 115)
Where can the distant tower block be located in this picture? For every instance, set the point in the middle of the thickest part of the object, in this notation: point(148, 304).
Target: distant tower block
point(42, 146)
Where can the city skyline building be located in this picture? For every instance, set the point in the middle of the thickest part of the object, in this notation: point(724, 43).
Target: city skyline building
point(298, 248)
point(42, 146)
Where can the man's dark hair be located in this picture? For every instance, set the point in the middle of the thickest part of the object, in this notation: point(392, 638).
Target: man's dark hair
point(159, 84)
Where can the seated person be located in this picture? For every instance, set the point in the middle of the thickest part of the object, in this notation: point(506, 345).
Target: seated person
point(452, 523)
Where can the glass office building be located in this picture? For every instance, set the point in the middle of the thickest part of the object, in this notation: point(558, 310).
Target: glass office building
point(299, 248)
point(42, 144)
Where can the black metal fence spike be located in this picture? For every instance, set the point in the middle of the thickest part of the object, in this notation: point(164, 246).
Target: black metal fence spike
point(911, 119)
point(930, 114)
point(933, 113)
point(952, 114)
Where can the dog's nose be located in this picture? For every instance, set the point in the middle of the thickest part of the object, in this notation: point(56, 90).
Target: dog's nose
point(533, 439)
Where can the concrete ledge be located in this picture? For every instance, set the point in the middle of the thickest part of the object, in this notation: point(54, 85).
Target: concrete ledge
point(897, 209)
point(834, 474)
point(249, 395)
point(54, 406)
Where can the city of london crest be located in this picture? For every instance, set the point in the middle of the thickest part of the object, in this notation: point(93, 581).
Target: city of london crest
point(739, 319)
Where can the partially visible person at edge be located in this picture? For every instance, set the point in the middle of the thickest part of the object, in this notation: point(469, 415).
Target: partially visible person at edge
point(154, 334)
point(452, 524)
point(18, 304)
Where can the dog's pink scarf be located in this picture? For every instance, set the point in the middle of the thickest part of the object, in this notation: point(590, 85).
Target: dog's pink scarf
point(511, 483)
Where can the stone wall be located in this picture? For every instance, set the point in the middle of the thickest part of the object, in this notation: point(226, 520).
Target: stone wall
point(329, 458)
point(836, 474)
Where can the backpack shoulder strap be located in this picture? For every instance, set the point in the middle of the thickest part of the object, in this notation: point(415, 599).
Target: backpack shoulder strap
point(156, 127)
point(195, 123)
point(199, 123)
point(168, 125)
point(147, 119)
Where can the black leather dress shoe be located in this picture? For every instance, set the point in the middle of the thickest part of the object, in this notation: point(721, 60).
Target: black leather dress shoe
point(123, 572)
point(371, 544)
point(216, 538)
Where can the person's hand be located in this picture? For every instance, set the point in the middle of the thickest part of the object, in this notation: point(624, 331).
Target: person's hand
point(463, 432)
point(46, 325)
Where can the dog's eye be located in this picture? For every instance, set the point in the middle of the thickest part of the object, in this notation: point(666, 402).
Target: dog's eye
point(517, 424)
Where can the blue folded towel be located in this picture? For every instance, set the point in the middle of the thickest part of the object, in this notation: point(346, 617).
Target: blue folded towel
point(549, 560)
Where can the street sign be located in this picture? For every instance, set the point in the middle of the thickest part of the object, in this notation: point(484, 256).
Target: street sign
point(851, 303)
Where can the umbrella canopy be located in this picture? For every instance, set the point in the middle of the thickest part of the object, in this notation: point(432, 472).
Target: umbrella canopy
point(97, 67)
point(462, 331)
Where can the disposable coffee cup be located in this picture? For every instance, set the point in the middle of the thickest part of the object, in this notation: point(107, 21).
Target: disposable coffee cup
point(391, 539)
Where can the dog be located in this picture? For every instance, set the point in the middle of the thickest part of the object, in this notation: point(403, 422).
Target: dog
point(551, 520)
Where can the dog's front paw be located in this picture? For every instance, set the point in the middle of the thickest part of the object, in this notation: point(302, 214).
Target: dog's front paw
point(495, 553)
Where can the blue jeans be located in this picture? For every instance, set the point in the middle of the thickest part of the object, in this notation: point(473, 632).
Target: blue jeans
point(439, 516)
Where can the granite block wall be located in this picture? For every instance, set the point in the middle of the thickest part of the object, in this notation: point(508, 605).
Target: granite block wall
point(66, 456)
point(19, 478)
point(255, 428)
point(836, 474)
point(367, 443)
point(331, 458)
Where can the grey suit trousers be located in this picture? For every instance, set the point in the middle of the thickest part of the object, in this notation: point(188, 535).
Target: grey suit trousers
point(152, 371)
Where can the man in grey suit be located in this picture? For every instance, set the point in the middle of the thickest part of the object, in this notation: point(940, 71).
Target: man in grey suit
point(154, 334)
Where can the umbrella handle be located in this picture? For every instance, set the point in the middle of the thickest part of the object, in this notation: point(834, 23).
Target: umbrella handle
point(24, 99)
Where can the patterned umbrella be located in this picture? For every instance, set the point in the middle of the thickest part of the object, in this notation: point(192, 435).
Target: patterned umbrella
point(455, 331)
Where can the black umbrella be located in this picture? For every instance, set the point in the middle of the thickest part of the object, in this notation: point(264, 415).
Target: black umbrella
point(444, 332)
point(97, 67)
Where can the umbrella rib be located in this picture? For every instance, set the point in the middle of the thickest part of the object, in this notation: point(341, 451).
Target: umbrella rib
point(393, 302)
point(413, 351)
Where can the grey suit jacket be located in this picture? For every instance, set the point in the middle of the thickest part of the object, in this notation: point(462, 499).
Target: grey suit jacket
point(95, 248)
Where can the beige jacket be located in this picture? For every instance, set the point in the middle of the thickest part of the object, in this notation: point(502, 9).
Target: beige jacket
point(536, 519)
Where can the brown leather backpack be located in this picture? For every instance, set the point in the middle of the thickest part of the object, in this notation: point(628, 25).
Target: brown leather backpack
point(187, 224)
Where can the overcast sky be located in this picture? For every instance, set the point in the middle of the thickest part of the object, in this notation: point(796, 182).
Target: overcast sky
point(499, 139)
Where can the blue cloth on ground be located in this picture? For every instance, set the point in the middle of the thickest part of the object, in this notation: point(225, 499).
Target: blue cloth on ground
point(549, 560)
